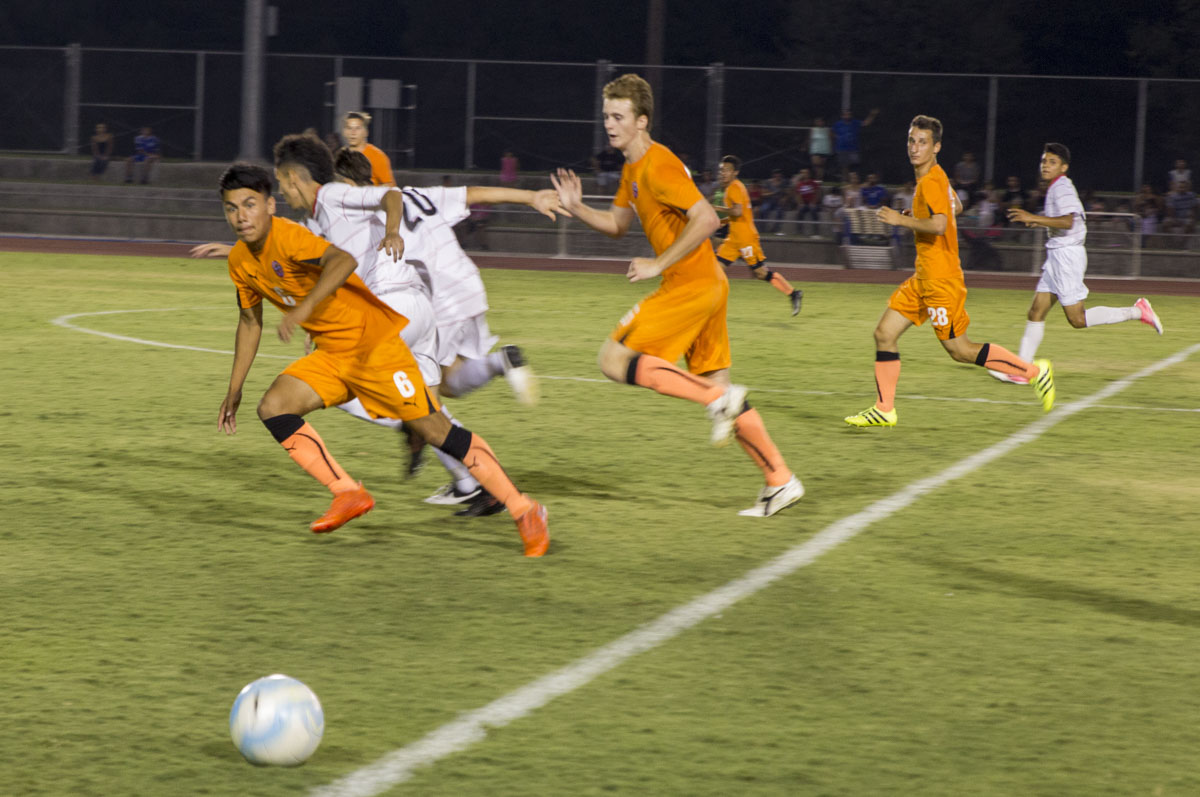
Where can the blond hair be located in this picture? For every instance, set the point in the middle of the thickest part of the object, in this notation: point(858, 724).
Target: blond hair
point(361, 115)
point(635, 89)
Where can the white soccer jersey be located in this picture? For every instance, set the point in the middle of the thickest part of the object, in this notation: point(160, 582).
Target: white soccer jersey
point(433, 250)
point(349, 218)
point(1061, 199)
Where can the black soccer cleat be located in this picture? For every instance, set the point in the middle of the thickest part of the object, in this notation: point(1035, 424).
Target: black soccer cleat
point(797, 296)
point(481, 505)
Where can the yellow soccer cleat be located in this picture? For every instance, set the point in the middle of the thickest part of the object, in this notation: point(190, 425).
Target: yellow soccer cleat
point(1043, 384)
point(873, 416)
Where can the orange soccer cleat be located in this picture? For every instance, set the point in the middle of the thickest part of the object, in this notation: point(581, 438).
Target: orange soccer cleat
point(534, 533)
point(346, 506)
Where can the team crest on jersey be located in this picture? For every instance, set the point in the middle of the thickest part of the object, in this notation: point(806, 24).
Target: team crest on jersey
point(278, 269)
point(634, 186)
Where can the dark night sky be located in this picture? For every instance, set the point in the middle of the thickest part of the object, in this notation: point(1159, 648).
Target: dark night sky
point(1156, 38)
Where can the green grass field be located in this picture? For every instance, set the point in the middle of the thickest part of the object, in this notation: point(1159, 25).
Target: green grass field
point(1027, 629)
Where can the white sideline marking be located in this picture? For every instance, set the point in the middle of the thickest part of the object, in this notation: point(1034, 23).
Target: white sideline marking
point(65, 322)
point(398, 766)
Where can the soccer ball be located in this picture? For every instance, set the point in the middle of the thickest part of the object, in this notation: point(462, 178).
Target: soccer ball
point(276, 721)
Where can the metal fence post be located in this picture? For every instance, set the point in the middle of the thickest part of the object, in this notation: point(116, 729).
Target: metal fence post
point(1139, 140)
point(469, 155)
point(845, 90)
point(198, 116)
point(716, 114)
point(989, 162)
point(599, 139)
point(254, 49)
point(73, 55)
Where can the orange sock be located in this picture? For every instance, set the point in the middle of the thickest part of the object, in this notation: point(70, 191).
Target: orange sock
point(782, 285)
point(307, 449)
point(660, 376)
point(887, 374)
point(752, 434)
point(997, 358)
point(483, 465)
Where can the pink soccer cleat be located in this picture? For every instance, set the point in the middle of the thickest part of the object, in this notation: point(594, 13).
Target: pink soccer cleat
point(1148, 315)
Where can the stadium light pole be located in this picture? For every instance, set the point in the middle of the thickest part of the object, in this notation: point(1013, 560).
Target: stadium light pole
point(254, 48)
point(656, 13)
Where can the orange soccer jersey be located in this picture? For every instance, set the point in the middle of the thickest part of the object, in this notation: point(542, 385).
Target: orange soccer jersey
point(686, 315)
point(742, 231)
point(660, 191)
point(359, 349)
point(381, 165)
point(937, 255)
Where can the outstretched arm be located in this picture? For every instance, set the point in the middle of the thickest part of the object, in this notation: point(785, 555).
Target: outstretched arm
point(211, 250)
point(1032, 219)
point(545, 201)
point(613, 222)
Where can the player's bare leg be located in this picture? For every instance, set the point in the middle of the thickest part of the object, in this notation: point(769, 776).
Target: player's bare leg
point(464, 376)
point(887, 372)
point(474, 452)
point(281, 409)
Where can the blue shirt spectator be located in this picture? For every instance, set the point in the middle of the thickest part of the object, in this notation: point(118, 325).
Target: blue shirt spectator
point(873, 194)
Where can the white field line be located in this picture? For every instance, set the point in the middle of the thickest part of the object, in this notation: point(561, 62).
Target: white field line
point(65, 322)
point(454, 737)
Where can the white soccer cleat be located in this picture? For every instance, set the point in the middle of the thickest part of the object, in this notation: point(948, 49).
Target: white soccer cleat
point(520, 376)
point(775, 499)
point(1016, 380)
point(449, 494)
point(723, 411)
point(1148, 315)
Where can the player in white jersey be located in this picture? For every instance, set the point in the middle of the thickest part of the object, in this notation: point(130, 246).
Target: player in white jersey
point(425, 221)
point(1066, 262)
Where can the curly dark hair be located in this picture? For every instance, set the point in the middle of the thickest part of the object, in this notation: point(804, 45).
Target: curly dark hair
point(308, 152)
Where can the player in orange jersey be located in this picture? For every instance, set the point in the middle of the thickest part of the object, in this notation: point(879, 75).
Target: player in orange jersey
point(937, 290)
point(685, 317)
point(355, 126)
point(359, 354)
point(742, 240)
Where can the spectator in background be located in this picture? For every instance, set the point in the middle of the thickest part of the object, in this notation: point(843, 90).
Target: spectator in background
point(1180, 174)
point(845, 138)
point(873, 194)
point(706, 183)
point(986, 207)
point(833, 211)
point(755, 190)
point(902, 200)
point(509, 167)
point(966, 177)
point(808, 197)
point(1181, 209)
point(1149, 206)
point(609, 162)
point(102, 150)
point(1012, 197)
point(355, 128)
point(852, 192)
point(774, 194)
point(146, 148)
point(820, 147)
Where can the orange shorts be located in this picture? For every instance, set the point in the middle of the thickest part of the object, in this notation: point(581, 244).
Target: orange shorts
point(941, 302)
point(685, 320)
point(384, 377)
point(752, 253)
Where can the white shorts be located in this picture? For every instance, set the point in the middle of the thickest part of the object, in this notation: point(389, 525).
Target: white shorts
point(421, 334)
point(1062, 274)
point(469, 339)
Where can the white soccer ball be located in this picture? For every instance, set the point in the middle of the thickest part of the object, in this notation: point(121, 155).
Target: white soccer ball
point(276, 721)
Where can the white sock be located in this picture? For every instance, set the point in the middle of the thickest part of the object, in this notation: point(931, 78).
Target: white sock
point(1096, 316)
point(474, 374)
point(463, 479)
point(1034, 330)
